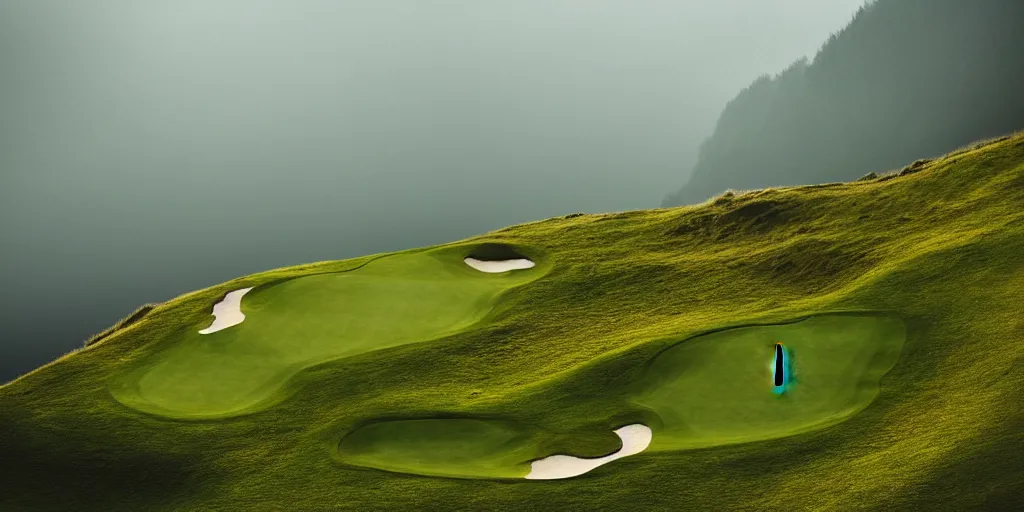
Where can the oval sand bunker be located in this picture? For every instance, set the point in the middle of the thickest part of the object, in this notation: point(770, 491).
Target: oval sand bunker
point(228, 312)
point(497, 266)
point(635, 439)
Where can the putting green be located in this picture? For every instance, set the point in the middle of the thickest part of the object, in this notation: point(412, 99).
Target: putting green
point(465, 448)
point(718, 388)
point(714, 389)
point(293, 324)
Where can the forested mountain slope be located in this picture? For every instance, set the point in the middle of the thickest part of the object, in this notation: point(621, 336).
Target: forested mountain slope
point(906, 79)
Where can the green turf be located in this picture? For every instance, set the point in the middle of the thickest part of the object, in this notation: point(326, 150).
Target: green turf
point(456, 447)
point(709, 390)
point(571, 349)
point(308, 320)
point(718, 388)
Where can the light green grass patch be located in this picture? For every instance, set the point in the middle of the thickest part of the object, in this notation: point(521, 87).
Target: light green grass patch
point(296, 323)
point(714, 389)
point(717, 388)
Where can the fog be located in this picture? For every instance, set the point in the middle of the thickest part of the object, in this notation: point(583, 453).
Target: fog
point(151, 148)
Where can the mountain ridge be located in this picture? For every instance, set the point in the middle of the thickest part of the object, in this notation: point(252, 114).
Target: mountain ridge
point(904, 79)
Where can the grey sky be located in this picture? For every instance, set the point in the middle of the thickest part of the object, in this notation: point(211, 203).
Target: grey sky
point(149, 148)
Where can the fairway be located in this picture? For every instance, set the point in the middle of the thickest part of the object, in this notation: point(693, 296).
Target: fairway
point(465, 448)
point(300, 322)
point(718, 388)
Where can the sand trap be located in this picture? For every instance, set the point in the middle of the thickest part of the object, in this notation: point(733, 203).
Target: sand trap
point(635, 439)
point(497, 266)
point(228, 312)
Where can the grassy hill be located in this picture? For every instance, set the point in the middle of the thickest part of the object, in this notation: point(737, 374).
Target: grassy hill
point(411, 381)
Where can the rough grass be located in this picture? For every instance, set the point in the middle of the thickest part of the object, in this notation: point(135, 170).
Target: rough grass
point(940, 248)
point(135, 316)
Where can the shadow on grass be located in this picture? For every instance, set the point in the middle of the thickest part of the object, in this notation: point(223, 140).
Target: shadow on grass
point(88, 478)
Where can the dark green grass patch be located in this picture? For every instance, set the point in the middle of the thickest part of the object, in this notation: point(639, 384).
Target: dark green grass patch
point(135, 316)
point(459, 447)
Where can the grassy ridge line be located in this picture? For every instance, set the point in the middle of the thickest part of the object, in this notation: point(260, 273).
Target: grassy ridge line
point(135, 316)
point(948, 239)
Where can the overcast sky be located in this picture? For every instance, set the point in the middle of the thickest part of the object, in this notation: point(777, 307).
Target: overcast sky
point(150, 148)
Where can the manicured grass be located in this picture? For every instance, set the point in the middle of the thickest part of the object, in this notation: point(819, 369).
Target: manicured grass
point(304, 321)
point(458, 447)
point(709, 390)
point(566, 358)
point(718, 388)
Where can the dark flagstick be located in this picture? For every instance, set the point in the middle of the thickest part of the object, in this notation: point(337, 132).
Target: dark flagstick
point(780, 377)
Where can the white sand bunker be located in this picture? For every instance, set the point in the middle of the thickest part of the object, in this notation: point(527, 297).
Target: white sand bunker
point(497, 266)
point(228, 312)
point(635, 439)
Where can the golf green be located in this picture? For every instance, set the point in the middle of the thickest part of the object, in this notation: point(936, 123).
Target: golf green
point(718, 388)
point(296, 323)
point(459, 447)
point(713, 389)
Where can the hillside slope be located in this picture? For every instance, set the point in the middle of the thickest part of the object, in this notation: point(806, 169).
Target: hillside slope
point(901, 298)
point(905, 79)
